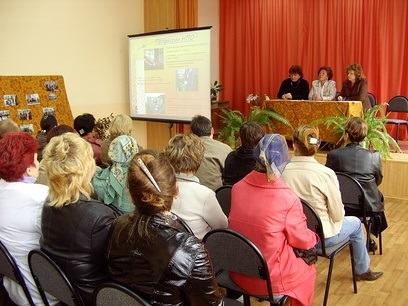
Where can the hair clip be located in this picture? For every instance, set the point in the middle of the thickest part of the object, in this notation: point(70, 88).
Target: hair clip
point(314, 141)
point(147, 172)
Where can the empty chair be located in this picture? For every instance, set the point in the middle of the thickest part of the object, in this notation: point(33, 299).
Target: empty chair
point(372, 98)
point(9, 268)
point(111, 294)
point(223, 195)
point(232, 252)
point(397, 104)
point(51, 279)
point(353, 198)
point(314, 223)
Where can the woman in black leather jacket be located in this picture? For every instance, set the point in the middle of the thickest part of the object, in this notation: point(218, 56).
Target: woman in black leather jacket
point(74, 226)
point(152, 253)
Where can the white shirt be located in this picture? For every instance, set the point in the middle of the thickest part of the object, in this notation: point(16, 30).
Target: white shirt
point(327, 91)
point(197, 205)
point(20, 230)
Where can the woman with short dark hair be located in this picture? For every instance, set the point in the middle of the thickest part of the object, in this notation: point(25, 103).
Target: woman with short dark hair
point(323, 89)
point(295, 87)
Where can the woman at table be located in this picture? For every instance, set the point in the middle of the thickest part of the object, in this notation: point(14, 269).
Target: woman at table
point(355, 88)
point(295, 87)
point(323, 89)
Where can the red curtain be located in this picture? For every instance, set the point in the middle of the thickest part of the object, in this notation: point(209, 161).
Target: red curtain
point(261, 39)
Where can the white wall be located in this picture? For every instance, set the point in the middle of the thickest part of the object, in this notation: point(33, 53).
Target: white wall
point(84, 41)
point(208, 15)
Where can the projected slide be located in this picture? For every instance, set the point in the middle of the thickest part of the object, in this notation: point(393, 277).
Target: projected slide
point(170, 75)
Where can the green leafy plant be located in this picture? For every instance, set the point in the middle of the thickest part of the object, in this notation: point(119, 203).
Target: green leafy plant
point(215, 89)
point(377, 136)
point(234, 119)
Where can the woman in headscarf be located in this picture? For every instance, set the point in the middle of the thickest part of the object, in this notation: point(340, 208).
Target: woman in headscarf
point(270, 214)
point(111, 183)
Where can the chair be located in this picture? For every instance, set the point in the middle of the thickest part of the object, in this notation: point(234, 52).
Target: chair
point(223, 195)
point(9, 268)
point(109, 294)
point(51, 279)
point(397, 104)
point(372, 98)
point(353, 198)
point(232, 252)
point(315, 224)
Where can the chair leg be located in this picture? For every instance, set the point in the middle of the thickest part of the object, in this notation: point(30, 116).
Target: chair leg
point(247, 300)
point(380, 242)
point(329, 274)
point(396, 138)
point(353, 269)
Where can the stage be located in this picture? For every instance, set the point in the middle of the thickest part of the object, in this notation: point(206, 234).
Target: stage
point(395, 172)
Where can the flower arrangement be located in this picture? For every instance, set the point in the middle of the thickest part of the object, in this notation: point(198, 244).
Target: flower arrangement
point(254, 99)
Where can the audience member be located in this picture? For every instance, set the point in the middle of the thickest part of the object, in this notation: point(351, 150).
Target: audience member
point(21, 203)
point(295, 87)
point(323, 89)
point(55, 131)
point(120, 125)
point(46, 124)
point(355, 88)
point(215, 153)
point(84, 125)
point(318, 185)
point(242, 161)
point(151, 252)
point(74, 226)
point(265, 210)
point(111, 183)
point(365, 166)
point(7, 126)
point(196, 204)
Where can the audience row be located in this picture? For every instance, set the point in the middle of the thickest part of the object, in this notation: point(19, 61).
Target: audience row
point(139, 219)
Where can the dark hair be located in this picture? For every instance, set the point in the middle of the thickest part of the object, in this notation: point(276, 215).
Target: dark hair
point(356, 128)
point(59, 130)
point(84, 124)
point(250, 134)
point(16, 155)
point(328, 70)
point(201, 126)
point(48, 122)
point(306, 138)
point(296, 69)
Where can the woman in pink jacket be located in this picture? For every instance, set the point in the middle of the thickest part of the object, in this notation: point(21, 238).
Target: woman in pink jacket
point(270, 214)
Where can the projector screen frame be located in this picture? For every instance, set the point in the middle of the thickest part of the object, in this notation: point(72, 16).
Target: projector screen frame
point(165, 119)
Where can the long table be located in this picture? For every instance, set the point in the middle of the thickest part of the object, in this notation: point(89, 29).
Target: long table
point(299, 112)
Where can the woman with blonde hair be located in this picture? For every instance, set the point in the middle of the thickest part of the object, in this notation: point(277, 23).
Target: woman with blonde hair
point(151, 252)
point(120, 125)
point(196, 204)
point(74, 226)
point(318, 185)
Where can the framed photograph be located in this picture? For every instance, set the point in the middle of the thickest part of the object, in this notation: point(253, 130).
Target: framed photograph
point(10, 100)
point(4, 114)
point(32, 99)
point(28, 128)
point(25, 114)
point(47, 111)
point(51, 85)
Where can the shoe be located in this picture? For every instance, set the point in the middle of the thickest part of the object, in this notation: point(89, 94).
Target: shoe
point(369, 276)
point(372, 247)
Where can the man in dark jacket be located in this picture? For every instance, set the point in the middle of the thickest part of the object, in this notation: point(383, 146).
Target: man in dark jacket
point(365, 166)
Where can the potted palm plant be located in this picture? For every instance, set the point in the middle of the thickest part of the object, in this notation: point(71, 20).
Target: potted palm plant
point(234, 119)
point(214, 90)
point(377, 136)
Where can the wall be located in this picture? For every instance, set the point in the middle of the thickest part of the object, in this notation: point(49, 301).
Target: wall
point(84, 41)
